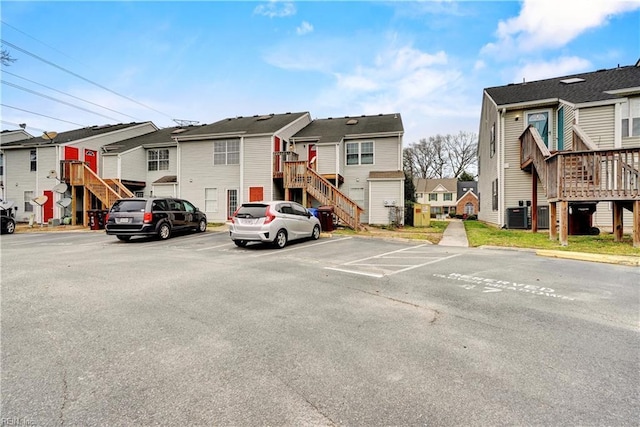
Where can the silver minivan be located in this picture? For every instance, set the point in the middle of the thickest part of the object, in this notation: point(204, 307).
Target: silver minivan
point(275, 222)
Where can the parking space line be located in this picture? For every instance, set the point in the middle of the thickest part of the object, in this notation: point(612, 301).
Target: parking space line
point(384, 254)
point(212, 247)
point(426, 263)
point(298, 247)
point(362, 273)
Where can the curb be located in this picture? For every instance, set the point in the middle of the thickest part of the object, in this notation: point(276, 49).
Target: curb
point(628, 260)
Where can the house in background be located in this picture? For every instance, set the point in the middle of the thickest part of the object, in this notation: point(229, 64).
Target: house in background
point(467, 202)
point(362, 157)
point(7, 136)
point(440, 194)
point(34, 166)
point(563, 150)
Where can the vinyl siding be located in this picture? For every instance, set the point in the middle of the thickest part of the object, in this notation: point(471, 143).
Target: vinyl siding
point(599, 124)
point(381, 191)
point(109, 166)
point(151, 176)
point(198, 172)
point(488, 165)
point(326, 154)
point(569, 116)
point(133, 166)
point(257, 166)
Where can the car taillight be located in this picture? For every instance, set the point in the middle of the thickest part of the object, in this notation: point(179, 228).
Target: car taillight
point(269, 216)
point(233, 217)
point(106, 217)
point(148, 217)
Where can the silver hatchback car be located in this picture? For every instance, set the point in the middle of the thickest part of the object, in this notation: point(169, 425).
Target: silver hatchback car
point(274, 222)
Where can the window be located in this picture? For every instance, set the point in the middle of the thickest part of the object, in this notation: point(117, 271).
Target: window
point(226, 152)
point(492, 144)
point(360, 153)
point(433, 197)
point(28, 196)
point(232, 202)
point(211, 200)
point(468, 208)
point(631, 118)
point(448, 197)
point(33, 157)
point(494, 194)
point(158, 160)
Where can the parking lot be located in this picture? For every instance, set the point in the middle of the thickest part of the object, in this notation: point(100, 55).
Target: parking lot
point(339, 331)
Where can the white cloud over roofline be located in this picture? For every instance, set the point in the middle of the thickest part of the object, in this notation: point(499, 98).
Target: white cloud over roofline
point(276, 9)
point(548, 24)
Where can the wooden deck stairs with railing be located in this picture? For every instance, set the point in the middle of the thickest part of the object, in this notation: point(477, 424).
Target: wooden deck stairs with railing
point(585, 174)
point(297, 174)
point(78, 173)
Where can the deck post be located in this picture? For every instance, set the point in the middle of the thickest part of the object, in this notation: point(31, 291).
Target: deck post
point(534, 200)
point(564, 223)
point(617, 222)
point(553, 226)
point(636, 224)
point(287, 195)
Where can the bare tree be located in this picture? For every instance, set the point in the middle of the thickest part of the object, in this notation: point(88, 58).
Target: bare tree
point(7, 59)
point(441, 156)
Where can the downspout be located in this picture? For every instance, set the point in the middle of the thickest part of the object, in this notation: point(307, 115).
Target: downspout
point(500, 143)
point(241, 190)
point(178, 188)
point(337, 164)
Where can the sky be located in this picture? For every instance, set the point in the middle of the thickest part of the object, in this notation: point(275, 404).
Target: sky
point(80, 64)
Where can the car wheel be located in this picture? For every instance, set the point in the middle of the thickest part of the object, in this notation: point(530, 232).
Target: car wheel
point(281, 239)
point(10, 227)
point(202, 225)
point(164, 231)
point(316, 232)
point(124, 238)
point(240, 243)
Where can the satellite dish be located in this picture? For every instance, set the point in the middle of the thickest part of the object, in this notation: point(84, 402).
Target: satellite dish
point(6, 204)
point(60, 188)
point(64, 202)
point(49, 135)
point(52, 174)
point(39, 201)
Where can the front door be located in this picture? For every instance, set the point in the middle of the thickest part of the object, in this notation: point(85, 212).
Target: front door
point(312, 156)
point(91, 158)
point(232, 202)
point(47, 208)
point(540, 121)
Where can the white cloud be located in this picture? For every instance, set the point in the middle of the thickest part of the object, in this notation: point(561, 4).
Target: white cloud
point(479, 65)
point(559, 67)
point(304, 28)
point(276, 9)
point(553, 23)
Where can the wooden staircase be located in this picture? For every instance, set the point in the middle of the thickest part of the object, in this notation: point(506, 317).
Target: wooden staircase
point(297, 174)
point(585, 174)
point(77, 173)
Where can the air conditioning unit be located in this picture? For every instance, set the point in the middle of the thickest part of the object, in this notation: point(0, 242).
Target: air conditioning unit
point(517, 218)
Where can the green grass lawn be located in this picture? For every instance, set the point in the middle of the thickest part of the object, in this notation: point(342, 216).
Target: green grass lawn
point(480, 234)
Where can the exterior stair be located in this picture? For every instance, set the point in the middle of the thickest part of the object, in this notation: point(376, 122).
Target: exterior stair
point(107, 191)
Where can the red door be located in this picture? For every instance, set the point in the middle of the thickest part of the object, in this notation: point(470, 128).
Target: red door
point(91, 158)
point(71, 153)
point(277, 167)
point(47, 208)
point(313, 160)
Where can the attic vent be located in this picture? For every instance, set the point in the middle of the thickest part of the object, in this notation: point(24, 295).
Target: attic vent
point(267, 117)
point(352, 121)
point(180, 130)
point(572, 80)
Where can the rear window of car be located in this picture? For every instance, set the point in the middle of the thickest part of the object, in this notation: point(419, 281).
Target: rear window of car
point(252, 211)
point(129, 206)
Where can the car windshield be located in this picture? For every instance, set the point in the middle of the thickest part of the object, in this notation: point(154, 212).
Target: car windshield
point(252, 211)
point(129, 206)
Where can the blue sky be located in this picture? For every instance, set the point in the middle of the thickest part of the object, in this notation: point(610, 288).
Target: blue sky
point(208, 60)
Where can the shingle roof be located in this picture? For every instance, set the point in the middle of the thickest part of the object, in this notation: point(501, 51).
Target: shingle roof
point(253, 125)
point(335, 129)
point(428, 185)
point(162, 136)
point(468, 185)
point(73, 135)
point(167, 179)
point(593, 88)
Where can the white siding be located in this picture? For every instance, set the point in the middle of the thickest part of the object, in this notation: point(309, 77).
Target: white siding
point(488, 164)
point(569, 116)
point(151, 176)
point(381, 191)
point(109, 166)
point(326, 154)
point(133, 166)
point(598, 123)
point(257, 160)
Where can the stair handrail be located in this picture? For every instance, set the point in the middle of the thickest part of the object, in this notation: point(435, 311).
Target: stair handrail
point(581, 140)
point(88, 172)
point(122, 188)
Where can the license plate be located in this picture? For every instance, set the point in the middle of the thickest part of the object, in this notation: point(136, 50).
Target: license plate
point(250, 221)
point(123, 220)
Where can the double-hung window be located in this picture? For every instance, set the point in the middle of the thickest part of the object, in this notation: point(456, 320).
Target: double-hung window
point(631, 118)
point(433, 197)
point(360, 153)
point(158, 160)
point(447, 197)
point(226, 152)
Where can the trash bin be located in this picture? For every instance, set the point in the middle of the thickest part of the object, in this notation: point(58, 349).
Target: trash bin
point(93, 219)
point(325, 215)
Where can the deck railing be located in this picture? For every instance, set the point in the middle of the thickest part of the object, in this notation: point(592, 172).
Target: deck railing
point(298, 175)
point(79, 173)
point(279, 159)
point(534, 153)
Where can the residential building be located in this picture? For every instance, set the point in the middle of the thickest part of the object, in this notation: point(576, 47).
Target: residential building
point(566, 149)
point(467, 198)
point(440, 194)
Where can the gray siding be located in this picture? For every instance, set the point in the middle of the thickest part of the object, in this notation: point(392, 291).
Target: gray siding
point(257, 167)
point(488, 165)
point(326, 154)
point(133, 166)
point(599, 124)
point(569, 116)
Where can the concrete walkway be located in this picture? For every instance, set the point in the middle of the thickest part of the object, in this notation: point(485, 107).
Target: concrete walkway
point(454, 234)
